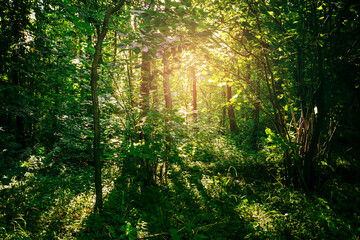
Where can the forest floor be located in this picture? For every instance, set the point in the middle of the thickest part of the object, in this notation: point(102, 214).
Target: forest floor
point(216, 193)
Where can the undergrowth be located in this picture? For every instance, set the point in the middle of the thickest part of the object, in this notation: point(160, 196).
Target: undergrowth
point(214, 191)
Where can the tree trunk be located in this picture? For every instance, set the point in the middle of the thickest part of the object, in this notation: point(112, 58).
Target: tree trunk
point(154, 87)
point(16, 77)
point(147, 171)
point(314, 147)
point(223, 116)
point(129, 71)
point(168, 105)
point(145, 83)
point(95, 102)
point(256, 111)
point(231, 112)
point(256, 116)
point(166, 83)
point(194, 93)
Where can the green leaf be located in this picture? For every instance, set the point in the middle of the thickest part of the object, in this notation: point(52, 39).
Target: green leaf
point(174, 234)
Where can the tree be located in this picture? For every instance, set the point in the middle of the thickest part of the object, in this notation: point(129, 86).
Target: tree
point(101, 34)
point(194, 94)
point(14, 28)
point(231, 112)
point(264, 34)
point(168, 106)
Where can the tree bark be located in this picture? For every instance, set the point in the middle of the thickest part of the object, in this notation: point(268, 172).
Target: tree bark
point(314, 147)
point(129, 71)
point(95, 102)
point(194, 93)
point(256, 111)
point(17, 54)
point(146, 171)
point(223, 116)
point(231, 112)
point(166, 83)
point(145, 83)
point(168, 105)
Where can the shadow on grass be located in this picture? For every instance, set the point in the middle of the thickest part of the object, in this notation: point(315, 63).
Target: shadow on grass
point(43, 203)
point(185, 208)
point(219, 202)
point(223, 199)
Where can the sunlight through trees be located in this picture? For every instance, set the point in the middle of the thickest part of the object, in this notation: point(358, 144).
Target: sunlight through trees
point(210, 119)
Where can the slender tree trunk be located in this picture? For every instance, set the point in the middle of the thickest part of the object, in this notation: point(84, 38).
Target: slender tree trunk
point(256, 116)
point(300, 68)
point(96, 140)
point(231, 112)
point(310, 157)
point(168, 105)
point(129, 71)
point(166, 83)
point(145, 83)
point(148, 167)
point(54, 121)
point(17, 54)
point(154, 87)
point(194, 93)
point(20, 129)
point(95, 102)
point(223, 116)
point(147, 172)
point(115, 46)
point(256, 111)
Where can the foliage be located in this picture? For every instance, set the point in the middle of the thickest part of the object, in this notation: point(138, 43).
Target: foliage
point(202, 119)
point(213, 192)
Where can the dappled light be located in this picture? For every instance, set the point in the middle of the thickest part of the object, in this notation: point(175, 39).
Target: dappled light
point(179, 119)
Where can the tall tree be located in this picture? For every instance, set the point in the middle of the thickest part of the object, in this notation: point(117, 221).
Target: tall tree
point(194, 94)
point(166, 83)
point(168, 106)
point(145, 82)
point(18, 18)
point(231, 111)
point(102, 31)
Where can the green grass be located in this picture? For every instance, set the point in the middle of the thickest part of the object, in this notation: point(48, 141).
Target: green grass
point(214, 191)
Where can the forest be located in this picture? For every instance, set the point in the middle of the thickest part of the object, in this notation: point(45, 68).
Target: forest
point(179, 119)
